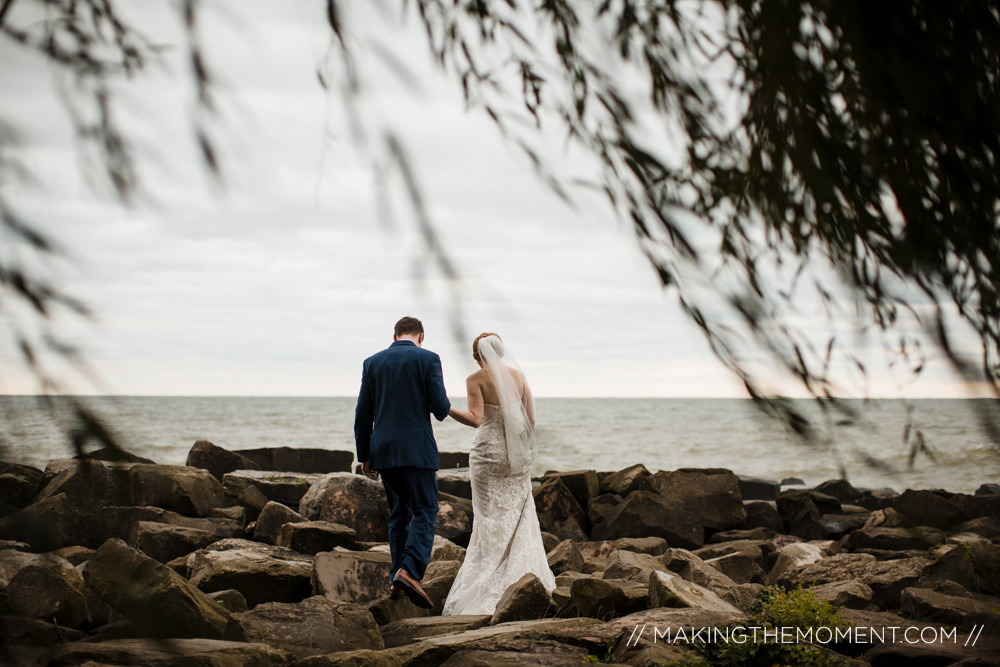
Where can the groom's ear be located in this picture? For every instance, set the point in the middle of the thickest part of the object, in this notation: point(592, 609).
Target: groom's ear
point(420, 339)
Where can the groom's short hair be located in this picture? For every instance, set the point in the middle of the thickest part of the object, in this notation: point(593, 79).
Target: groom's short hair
point(408, 325)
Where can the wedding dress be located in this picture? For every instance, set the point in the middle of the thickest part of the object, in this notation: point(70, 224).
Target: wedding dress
point(506, 540)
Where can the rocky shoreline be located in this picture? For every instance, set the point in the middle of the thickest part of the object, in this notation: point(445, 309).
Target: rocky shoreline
point(277, 556)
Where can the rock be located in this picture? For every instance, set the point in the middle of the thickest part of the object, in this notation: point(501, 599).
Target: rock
point(876, 499)
point(315, 626)
point(927, 605)
point(565, 557)
point(669, 590)
point(313, 537)
point(176, 488)
point(809, 570)
point(454, 519)
point(926, 508)
point(549, 541)
point(455, 483)
point(75, 555)
point(48, 524)
point(387, 611)
point(115, 454)
point(757, 534)
point(836, 526)
point(625, 481)
point(840, 489)
point(852, 594)
point(582, 484)
point(236, 513)
point(988, 489)
point(607, 598)
point(558, 510)
point(988, 527)
point(442, 568)
point(18, 484)
point(350, 500)
point(157, 653)
point(888, 579)
point(45, 587)
point(164, 542)
point(445, 549)
point(87, 483)
point(121, 522)
point(299, 459)
point(791, 557)
point(632, 566)
point(648, 514)
point(153, 596)
point(762, 514)
point(260, 573)
point(271, 519)
point(287, 488)
point(216, 460)
point(448, 460)
point(408, 631)
point(252, 500)
point(789, 503)
point(756, 488)
point(527, 651)
point(711, 495)
point(602, 506)
point(352, 576)
point(742, 567)
point(694, 569)
point(920, 538)
point(523, 600)
point(362, 658)
point(231, 600)
point(887, 518)
point(742, 596)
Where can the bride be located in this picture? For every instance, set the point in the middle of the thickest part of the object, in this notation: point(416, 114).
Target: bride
point(506, 541)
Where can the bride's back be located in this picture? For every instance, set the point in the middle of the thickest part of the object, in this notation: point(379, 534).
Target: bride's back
point(488, 388)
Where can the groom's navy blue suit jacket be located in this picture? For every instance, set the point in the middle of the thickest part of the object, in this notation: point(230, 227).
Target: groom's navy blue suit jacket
point(400, 387)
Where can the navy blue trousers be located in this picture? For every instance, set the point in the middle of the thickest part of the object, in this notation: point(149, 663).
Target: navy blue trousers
point(413, 505)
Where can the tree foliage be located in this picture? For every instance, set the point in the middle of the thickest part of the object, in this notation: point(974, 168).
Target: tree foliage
point(770, 157)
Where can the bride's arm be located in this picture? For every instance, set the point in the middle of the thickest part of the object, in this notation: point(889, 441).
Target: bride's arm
point(529, 402)
point(474, 415)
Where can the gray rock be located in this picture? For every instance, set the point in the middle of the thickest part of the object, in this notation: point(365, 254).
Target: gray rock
point(231, 600)
point(791, 557)
point(763, 514)
point(927, 605)
point(176, 653)
point(988, 489)
point(18, 484)
point(47, 587)
point(602, 506)
point(840, 489)
point(260, 573)
point(626, 481)
point(852, 594)
point(180, 489)
point(742, 596)
point(523, 600)
point(558, 510)
point(649, 514)
point(408, 631)
point(582, 484)
point(631, 566)
point(743, 567)
point(756, 488)
point(164, 542)
point(654, 546)
point(711, 495)
point(387, 611)
point(48, 524)
point(313, 537)
point(287, 488)
point(153, 596)
point(455, 483)
point(75, 555)
point(454, 519)
point(920, 538)
point(300, 459)
point(350, 500)
point(236, 513)
point(251, 499)
point(352, 576)
point(448, 460)
point(565, 557)
point(271, 519)
point(926, 508)
point(315, 626)
point(608, 598)
point(445, 549)
point(442, 568)
point(694, 569)
point(669, 590)
point(216, 460)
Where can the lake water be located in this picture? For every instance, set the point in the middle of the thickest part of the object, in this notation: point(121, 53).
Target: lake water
point(572, 434)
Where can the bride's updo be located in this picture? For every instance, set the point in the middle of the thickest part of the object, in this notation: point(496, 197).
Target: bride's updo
point(475, 345)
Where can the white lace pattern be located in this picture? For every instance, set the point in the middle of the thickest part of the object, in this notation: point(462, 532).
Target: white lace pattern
point(506, 540)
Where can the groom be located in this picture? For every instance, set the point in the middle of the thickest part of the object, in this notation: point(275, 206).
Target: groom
point(392, 431)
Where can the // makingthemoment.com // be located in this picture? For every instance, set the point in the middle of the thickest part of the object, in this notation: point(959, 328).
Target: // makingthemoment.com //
point(795, 635)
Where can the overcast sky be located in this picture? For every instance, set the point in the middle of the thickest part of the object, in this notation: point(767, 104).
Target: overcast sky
point(285, 280)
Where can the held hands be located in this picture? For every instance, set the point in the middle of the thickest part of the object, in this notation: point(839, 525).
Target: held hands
point(366, 470)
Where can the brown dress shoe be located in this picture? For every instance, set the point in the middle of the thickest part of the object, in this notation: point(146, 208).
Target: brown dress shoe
point(396, 592)
point(412, 589)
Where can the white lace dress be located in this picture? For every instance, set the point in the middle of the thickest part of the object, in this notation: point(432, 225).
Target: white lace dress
point(506, 541)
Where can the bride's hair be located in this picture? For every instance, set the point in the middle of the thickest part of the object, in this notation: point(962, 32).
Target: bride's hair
point(475, 345)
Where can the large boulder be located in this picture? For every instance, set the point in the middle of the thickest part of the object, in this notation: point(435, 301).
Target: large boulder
point(313, 537)
point(216, 460)
point(887, 579)
point(626, 481)
point(792, 556)
point(927, 508)
point(88, 484)
point(559, 512)
point(632, 566)
point(975, 565)
point(692, 568)
point(977, 506)
point(757, 488)
point(180, 489)
point(386, 610)
point(920, 538)
point(300, 459)
point(743, 567)
point(271, 519)
point(454, 519)
point(762, 514)
point(851, 593)
point(669, 590)
point(525, 599)
point(408, 631)
point(48, 524)
point(18, 484)
point(449, 460)
point(176, 653)
point(608, 598)
point(455, 483)
point(46, 587)
point(565, 557)
point(648, 514)
point(260, 573)
point(350, 500)
point(121, 522)
point(315, 626)
point(352, 576)
point(927, 605)
point(164, 542)
point(154, 597)
point(602, 506)
point(287, 488)
point(582, 484)
point(711, 495)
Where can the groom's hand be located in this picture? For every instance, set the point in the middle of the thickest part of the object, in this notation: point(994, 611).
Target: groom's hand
point(366, 470)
